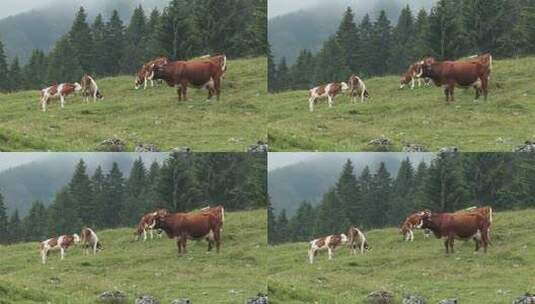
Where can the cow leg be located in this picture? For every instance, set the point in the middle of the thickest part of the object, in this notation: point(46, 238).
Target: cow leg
point(95, 248)
point(330, 253)
point(478, 244)
point(144, 234)
point(179, 92)
point(43, 103)
point(62, 252)
point(452, 89)
point(184, 243)
point(43, 256)
point(145, 84)
point(151, 234)
point(311, 101)
point(446, 244)
point(361, 247)
point(412, 83)
point(311, 256)
point(447, 94)
point(412, 235)
point(217, 87)
point(331, 101)
point(62, 99)
point(179, 244)
point(485, 87)
point(452, 240)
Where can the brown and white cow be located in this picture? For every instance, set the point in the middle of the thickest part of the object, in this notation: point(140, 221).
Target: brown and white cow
point(463, 226)
point(58, 91)
point(328, 91)
point(60, 243)
point(184, 226)
point(357, 240)
point(413, 74)
point(357, 88)
point(90, 88)
point(201, 74)
point(413, 221)
point(330, 242)
point(218, 211)
point(449, 74)
point(146, 223)
point(90, 241)
point(146, 73)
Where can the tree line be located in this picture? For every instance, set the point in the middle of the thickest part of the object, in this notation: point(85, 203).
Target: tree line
point(372, 200)
point(110, 199)
point(451, 30)
point(184, 29)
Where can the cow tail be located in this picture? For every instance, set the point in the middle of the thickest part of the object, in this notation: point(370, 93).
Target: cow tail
point(222, 214)
point(490, 215)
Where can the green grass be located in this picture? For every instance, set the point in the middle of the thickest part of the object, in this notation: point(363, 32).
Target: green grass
point(153, 267)
point(421, 267)
point(418, 117)
point(152, 116)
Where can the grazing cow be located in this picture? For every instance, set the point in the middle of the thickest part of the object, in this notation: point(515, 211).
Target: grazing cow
point(90, 88)
point(328, 242)
point(413, 221)
point(414, 73)
point(450, 74)
point(357, 240)
point(184, 226)
point(217, 211)
point(146, 223)
point(464, 226)
point(58, 91)
point(146, 72)
point(89, 240)
point(357, 88)
point(60, 243)
point(201, 74)
point(328, 91)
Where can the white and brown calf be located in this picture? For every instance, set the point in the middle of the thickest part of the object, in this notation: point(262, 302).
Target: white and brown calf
point(147, 223)
point(90, 241)
point(330, 243)
point(328, 91)
point(90, 89)
point(58, 91)
point(357, 240)
point(357, 89)
point(60, 243)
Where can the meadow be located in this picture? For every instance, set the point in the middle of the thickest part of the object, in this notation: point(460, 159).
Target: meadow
point(418, 268)
point(140, 268)
point(152, 116)
point(420, 116)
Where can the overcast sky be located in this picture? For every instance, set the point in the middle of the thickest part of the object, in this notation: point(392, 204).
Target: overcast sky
point(8, 8)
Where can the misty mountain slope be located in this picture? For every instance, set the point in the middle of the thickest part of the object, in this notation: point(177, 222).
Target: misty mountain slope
point(309, 180)
point(309, 28)
point(42, 26)
point(40, 180)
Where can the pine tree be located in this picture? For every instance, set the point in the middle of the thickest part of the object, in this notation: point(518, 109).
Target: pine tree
point(272, 71)
point(135, 33)
point(382, 195)
point(98, 184)
point(302, 71)
point(114, 45)
point(153, 48)
point(15, 228)
point(33, 72)
point(283, 231)
point(35, 224)
point(366, 49)
point(257, 34)
point(115, 195)
point(347, 191)
point(446, 186)
point(381, 42)
point(330, 63)
point(348, 39)
point(98, 29)
point(63, 67)
point(283, 75)
point(331, 218)
point(3, 221)
point(421, 48)
point(81, 194)
point(401, 55)
point(403, 193)
point(362, 215)
point(4, 80)
point(135, 194)
point(421, 201)
point(447, 35)
point(153, 198)
point(81, 41)
point(15, 75)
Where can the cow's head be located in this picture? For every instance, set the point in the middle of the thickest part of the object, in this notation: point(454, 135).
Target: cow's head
point(426, 219)
point(76, 238)
point(344, 86)
point(158, 217)
point(99, 95)
point(77, 87)
point(343, 238)
point(138, 82)
point(404, 80)
point(99, 246)
point(424, 67)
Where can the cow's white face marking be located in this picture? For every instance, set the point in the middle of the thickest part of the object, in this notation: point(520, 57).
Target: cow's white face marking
point(345, 87)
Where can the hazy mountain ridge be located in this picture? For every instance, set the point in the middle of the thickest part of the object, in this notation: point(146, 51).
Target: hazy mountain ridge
point(41, 27)
point(41, 179)
point(309, 28)
point(309, 180)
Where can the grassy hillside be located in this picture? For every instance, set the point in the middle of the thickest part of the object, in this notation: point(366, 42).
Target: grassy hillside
point(152, 116)
point(421, 267)
point(418, 117)
point(151, 267)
